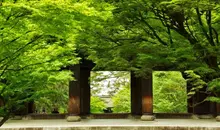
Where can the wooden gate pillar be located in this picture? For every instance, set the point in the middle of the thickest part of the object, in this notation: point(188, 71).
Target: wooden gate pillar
point(136, 98)
point(31, 107)
point(203, 108)
point(84, 91)
point(218, 111)
point(142, 97)
point(190, 101)
point(79, 92)
point(74, 95)
point(147, 98)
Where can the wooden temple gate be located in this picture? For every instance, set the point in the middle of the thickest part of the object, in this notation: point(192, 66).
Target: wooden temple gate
point(79, 93)
point(141, 96)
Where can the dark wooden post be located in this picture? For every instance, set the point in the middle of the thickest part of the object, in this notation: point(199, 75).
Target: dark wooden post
point(203, 108)
point(147, 98)
point(74, 95)
point(136, 98)
point(218, 108)
point(28, 108)
point(85, 91)
point(190, 101)
point(31, 107)
point(218, 111)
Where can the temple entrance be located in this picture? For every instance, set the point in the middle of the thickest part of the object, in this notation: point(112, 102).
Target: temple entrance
point(169, 92)
point(110, 92)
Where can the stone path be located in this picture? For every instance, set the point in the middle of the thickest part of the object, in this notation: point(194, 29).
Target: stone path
point(112, 122)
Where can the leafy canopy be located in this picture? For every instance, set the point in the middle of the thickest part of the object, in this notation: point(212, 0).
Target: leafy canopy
point(36, 45)
point(147, 35)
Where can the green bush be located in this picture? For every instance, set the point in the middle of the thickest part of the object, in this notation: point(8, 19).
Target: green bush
point(122, 101)
point(96, 105)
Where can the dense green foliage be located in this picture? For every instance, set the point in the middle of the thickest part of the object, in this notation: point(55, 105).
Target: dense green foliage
point(97, 105)
point(36, 43)
point(147, 35)
point(214, 87)
point(51, 102)
point(169, 92)
point(122, 100)
point(168, 34)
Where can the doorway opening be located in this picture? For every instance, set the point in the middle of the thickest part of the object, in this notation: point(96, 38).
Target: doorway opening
point(169, 92)
point(110, 92)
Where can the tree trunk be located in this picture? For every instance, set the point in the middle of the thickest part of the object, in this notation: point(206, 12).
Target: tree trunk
point(5, 118)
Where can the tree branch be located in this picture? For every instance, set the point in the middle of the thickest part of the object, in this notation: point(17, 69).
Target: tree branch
point(190, 31)
point(163, 20)
point(202, 27)
point(209, 23)
point(177, 26)
point(216, 35)
point(21, 48)
point(152, 29)
point(22, 68)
